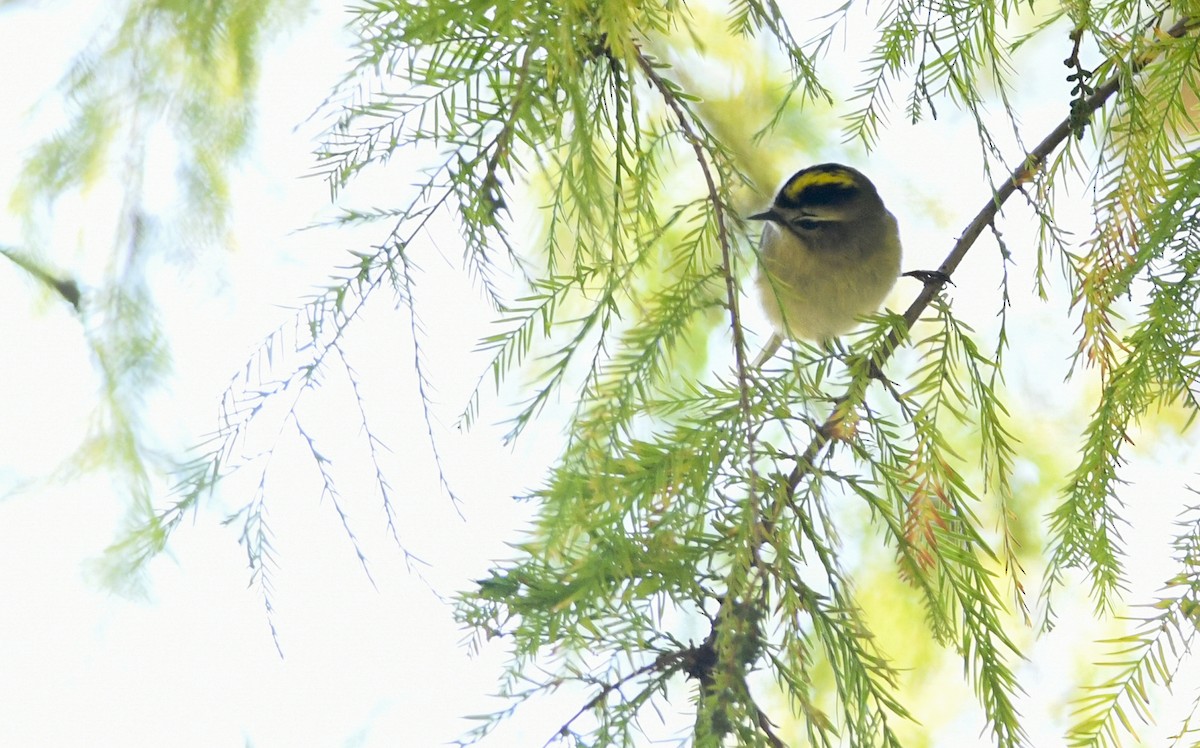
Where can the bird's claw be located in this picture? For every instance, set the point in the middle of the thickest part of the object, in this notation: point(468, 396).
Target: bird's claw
point(930, 277)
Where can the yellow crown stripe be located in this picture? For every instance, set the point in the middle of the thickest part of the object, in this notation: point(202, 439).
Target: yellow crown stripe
point(806, 179)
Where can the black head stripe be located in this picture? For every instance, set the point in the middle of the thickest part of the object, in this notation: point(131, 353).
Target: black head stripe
point(825, 194)
point(826, 184)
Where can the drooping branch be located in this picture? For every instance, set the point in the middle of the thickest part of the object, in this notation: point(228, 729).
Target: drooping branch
point(731, 601)
point(735, 321)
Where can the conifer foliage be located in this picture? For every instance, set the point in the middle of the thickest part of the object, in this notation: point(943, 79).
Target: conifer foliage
point(690, 541)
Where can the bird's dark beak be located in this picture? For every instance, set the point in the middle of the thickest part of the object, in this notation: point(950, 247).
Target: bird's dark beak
point(769, 215)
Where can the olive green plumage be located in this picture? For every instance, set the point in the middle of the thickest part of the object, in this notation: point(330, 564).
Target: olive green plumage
point(830, 252)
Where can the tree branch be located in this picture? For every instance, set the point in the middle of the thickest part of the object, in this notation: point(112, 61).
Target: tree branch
point(735, 320)
point(986, 216)
point(65, 287)
point(757, 524)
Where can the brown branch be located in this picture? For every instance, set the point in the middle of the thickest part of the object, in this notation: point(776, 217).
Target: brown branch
point(731, 293)
point(65, 287)
point(767, 726)
point(739, 349)
point(1020, 175)
point(502, 144)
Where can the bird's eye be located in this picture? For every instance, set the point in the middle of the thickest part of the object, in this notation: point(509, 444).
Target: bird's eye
point(806, 224)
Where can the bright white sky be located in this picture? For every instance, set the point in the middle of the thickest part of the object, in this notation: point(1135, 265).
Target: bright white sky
point(194, 664)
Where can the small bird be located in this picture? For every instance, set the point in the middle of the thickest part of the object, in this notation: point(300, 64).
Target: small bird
point(830, 253)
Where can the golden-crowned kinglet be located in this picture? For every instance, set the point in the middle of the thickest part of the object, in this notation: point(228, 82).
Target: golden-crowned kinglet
point(830, 253)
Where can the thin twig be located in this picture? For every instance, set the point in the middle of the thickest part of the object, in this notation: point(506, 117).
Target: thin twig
point(731, 285)
point(335, 497)
point(731, 293)
point(424, 385)
point(768, 727)
point(672, 664)
point(739, 340)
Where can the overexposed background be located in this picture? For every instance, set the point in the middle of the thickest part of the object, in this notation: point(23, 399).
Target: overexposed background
point(193, 663)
